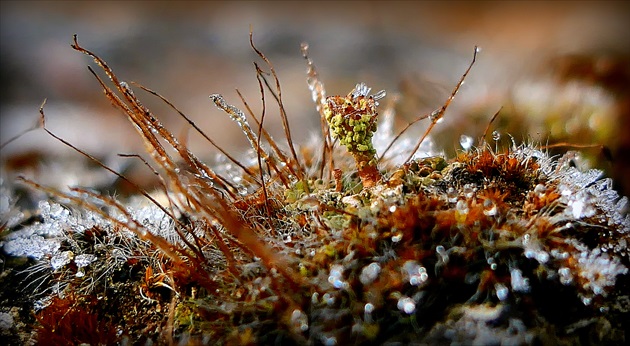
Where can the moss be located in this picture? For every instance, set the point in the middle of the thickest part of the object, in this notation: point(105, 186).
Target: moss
point(500, 245)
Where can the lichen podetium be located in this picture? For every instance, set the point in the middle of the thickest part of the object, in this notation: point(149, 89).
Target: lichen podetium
point(322, 246)
point(352, 120)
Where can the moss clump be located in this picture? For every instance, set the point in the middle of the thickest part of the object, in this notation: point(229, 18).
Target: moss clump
point(489, 247)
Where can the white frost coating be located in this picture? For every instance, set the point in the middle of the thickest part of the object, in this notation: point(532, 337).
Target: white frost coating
point(518, 282)
point(599, 271)
point(61, 259)
point(406, 305)
point(84, 260)
point(300, 320)
point(335, 277)
point(502, 291)
point(34, 246)
point(6, 321)
point(415, 273)
point(369, 273)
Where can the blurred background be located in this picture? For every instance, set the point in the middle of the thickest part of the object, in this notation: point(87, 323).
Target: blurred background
point(561, 71)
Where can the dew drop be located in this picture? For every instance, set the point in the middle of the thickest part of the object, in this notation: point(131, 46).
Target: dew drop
point(369, 273)
point(461, 207)
point(469, 190)
point(496, 135)
point(565, 276)
point(436, 116)
point(451, 195)
point(396, 238)
point(329, 341)
point(407, 305)
point(368, 308)
point(489, 208)
point(502, 291)
point(518, 282)
point(329, 299)
point(466, 142)
point(442, 254)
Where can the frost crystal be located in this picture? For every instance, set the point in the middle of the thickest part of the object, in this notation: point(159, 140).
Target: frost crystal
point(61, 259)
point(518, 282)
point(466, 142)
point(84, 260)
point(370, 273)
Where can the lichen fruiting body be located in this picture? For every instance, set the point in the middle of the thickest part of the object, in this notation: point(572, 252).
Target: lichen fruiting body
point(352, 120)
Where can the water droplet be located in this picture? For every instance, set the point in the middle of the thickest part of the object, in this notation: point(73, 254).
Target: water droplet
point(329, 299)
point(518, 282)
point(335, 277)
point(436, 116)
point(565, 276)
point(461, 207)
point(416, 273)
point(369, 273)
point(292, 178)
point(466, 142)
point(502, 291)
point(407, 305)
point(469, 190)
point(330, 341)
point(477, 49)
point(441, 254)
point(542, 257)
point(396, 238)
point(496, 135)
point(451, 195)
point(489, 207)
point(368, 308)
point(299, 319)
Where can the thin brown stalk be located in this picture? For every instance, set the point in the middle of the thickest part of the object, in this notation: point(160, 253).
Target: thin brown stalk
point(278, 96)
point(199, 130)
point(435, 116)
point(485, 132)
